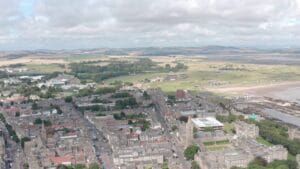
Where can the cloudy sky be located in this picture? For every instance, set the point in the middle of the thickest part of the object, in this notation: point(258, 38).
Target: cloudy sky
point(70, 24)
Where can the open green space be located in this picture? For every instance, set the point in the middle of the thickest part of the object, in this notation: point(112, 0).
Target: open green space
point(47, 68)
point(228, 127)
point(76, 58)
point(135, 78)
point(217, 147)
point(201, 74)
point(212, 74)
point(219, 142)
point(263, 141)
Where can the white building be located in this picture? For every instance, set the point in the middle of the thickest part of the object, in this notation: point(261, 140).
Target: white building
point(208, 122)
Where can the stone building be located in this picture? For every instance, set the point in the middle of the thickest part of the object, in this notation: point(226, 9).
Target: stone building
point(245, 130)
point(277, 152)
point(223, 159)
point(298, 160)
point(294, 133)
point(2, 147)
point(132, 156)
point(269, 153)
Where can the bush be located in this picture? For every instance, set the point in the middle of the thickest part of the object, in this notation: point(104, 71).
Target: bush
point(39, 121)
point(190, 152)
point(195, 165)
point(34, 106)
point(94, 166)
point(120, 95)
point(68, 99)
point(17, 114)
point(126, 103)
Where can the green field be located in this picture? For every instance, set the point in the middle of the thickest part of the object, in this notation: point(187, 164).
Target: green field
point(201, 74)
point(47, 68)
point(135, 78)
point(76, 58)
point(263, 141)
point(208, 74)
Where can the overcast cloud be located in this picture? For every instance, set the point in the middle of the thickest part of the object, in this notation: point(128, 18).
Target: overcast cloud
point(57, 24)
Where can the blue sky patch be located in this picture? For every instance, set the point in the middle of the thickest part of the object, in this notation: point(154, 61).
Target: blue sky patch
point(26, 7)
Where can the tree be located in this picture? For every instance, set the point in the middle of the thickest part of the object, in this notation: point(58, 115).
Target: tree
point(183, 119)
point(34, 106)
point(38, 121)
point(59, 111)
point(68, 99)
point(61, 166)
point(17, 114)
point(292, 164)
point(174, 127)
point(257, 163)
point(167, 67)
point(25, 166)
point(2, 118)
point(190, 152)
point(195, 165)
point(164, 165)
point(179, 66)
point(120, 95)
point(125, 103)
point(146, 95)
point(79, 166)
point(94, 166)
point(123, 115)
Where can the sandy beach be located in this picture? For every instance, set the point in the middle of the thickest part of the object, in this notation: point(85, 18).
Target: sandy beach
point(286, 90)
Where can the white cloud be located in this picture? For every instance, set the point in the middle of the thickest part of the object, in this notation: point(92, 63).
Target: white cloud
point(130, 23)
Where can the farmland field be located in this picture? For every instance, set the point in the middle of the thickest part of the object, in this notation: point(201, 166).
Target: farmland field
point(47, 68)
point(202, 74)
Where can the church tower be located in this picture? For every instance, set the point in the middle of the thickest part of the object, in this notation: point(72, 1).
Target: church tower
point(189, 132)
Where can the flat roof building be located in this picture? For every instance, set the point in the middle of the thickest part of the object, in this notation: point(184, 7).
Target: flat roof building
point(207, 122)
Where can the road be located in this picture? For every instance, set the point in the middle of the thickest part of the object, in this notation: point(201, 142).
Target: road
point(160, 110)
point(100, 142)
point(11, 148)
point(160, 107)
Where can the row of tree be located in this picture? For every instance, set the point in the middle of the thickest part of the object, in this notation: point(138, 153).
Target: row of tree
point(12, 133)
point(92, 71)
point(260, 163)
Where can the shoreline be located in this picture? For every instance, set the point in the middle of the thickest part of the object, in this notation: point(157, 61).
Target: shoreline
point(267, 89)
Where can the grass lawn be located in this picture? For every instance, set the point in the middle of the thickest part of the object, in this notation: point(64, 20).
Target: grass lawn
point(291, 157)
point(217, 147)
point(134, 78)
point(220, 142)
point(263, 141)
point(228, 127)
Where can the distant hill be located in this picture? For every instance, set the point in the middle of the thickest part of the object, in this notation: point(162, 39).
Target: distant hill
point(165, 51)
point(249, 55)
